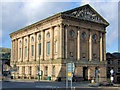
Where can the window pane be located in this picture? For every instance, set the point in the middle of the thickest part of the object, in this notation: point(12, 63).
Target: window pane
point(54, 70)
point(32, 50)
point(40, 49)
point(20, 53)
point(48, 48)
point(25, 51)
point(46, 70)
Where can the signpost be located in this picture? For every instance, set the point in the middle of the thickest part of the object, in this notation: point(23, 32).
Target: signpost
point(70, 68)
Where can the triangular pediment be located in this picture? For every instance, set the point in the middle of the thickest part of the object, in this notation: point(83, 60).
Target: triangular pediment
point(86, 12)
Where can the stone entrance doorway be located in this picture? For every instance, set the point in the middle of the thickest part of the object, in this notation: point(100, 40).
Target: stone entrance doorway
point(85, 73)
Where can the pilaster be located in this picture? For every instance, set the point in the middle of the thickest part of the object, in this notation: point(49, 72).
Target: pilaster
point(101, 48)
point(90, 47)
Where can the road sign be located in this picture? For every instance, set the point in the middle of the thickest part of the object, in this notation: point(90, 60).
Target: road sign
point(69, 74)
point(69, 67)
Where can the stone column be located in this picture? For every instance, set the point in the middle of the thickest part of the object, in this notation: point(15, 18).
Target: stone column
point(16, 50)
point(35, 41)
point(90, 46)
point(42, 44)
point(66, 42)
point(101, 48)
point(52, 43)
point(61, 41)
point(12, 50)
point(78, 46)
point(22, 46)
point(28, 47)
point(104, 42)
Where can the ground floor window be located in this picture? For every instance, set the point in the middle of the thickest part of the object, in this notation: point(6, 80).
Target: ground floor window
point(53, 70)
point(46, 70)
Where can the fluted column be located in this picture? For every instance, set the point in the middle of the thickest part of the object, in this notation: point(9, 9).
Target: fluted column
point(61, 40)
point(104, 42)
point(90, 46)
point(101, 48)
point(78, 46)
point(52, 43)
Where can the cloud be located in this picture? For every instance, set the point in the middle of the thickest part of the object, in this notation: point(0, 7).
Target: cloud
point(17, 15)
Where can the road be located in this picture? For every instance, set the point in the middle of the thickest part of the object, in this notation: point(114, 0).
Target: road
point(47, 85)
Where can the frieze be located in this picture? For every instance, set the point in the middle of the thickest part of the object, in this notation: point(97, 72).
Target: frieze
point(86, 13)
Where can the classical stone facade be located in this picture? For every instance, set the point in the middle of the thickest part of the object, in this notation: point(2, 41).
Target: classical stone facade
point(79, 33)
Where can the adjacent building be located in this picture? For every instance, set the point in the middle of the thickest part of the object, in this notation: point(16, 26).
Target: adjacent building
point(113, 62)
point(79, 33)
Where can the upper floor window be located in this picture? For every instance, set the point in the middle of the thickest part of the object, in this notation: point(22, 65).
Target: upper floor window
point(19, 53)
point(26, 51)
point(94, 36)
point(83, 35)
point(48, 48)
point(32, 50)
point(20, 43)
point(26, 41)
point(40, 37)
point(32, 39)
point(71, 33)
point(39, 49)
point(48, 35)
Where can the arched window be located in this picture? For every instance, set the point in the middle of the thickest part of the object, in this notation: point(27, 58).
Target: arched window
point(25, 51)
point(48, 48)
point(48, 35)
point(32, 39)
point(32, 47)
point(20, 43)
point(39, 37)
point(25, 40)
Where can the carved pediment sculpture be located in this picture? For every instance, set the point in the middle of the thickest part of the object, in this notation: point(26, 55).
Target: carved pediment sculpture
point(86, 13)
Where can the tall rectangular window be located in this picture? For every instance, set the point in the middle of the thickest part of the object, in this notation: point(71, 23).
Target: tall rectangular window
point(39, 49)
point(26, 51)
point(46, 70)
point(19, 53)
point(48, 48)
point(53, 70)
point(23, 69)
point(32, 50)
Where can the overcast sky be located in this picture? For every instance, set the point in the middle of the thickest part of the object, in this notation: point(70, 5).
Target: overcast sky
point(16, 15)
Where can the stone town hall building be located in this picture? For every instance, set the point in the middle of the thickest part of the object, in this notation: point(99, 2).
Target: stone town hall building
point(79, 33)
